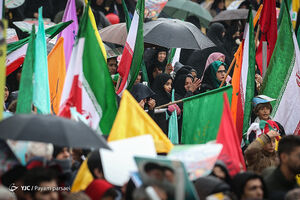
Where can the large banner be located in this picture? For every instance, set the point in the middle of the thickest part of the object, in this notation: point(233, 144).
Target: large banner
point(154, 7)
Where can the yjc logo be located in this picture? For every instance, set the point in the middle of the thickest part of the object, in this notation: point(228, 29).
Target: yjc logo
point(12, 187)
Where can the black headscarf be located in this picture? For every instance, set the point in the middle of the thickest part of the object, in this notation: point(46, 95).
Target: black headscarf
point(230, 44)
point(140, 91)
point(161, 97)
point(199, 57)
point(154, 63)
point(105, 4)
point(215, 32)
point(208, 185)
point(179, 80)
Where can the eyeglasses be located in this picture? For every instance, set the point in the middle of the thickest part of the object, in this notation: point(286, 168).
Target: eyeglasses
point(222, 71)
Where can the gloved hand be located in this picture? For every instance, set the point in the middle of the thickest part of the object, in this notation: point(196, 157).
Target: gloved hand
point(174, 107)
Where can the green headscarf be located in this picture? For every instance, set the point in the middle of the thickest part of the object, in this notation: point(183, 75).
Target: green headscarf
point(213, 71)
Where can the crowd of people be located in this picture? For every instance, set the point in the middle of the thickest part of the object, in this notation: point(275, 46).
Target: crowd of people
point(272, 156)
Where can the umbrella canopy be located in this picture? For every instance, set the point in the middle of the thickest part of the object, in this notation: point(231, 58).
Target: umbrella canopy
point(174, 33)
point(181, 9)
point(228, 15)
point(50, 129)
point(112, 51)
point(115, 33)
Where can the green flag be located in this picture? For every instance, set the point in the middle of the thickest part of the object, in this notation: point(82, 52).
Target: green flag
point(281, 81)
point(289, 4)
point(127, 17)
point(202, 116)
point(88, 77)
point(51, 32)
point(298, 36)
point(128, 24)
point(24, 103)
point(248, 71)
point(171, 56)
point(41, 91)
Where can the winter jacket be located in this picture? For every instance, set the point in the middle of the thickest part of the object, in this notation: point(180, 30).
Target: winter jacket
point(257, 159)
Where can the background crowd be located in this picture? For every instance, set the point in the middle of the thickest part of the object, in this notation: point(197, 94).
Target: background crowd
point(271, 154)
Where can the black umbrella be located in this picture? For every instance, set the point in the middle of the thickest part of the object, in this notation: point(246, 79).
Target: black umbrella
point(228, 15)
point(50, 129)
point(174, 33)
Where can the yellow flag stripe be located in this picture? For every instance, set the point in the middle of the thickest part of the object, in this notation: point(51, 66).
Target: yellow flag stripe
point(92, 18)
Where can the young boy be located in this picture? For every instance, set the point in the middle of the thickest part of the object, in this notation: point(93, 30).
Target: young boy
point(263, 123)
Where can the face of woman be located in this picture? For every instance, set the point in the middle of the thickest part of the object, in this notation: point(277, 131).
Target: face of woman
point(188, 83)
point(161, 56)
point(168, 86)
point(221, 5)
point(220, 74)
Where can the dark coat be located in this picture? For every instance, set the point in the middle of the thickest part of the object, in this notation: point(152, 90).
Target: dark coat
point(277, 185)
point(161, 98)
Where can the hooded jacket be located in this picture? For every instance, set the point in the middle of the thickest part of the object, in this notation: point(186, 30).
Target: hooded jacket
point(257, 159)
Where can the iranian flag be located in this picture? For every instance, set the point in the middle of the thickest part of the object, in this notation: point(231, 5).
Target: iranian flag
point(134, 48)
point(239, 79)
point(282, 80)
point(16, 51)
point(88, 86)
point(247, 85)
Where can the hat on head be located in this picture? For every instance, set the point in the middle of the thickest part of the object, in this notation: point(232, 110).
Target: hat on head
point(261, 99)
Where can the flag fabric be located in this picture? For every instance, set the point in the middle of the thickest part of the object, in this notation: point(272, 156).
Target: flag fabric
point(56, 73)
point(248, 72)
point(2, 64)
point(127, 16)
point(16, 51)
point(41, 93)
point(293, 7)
point(88, 85)
point(132, 56)
point(24, 103)
point(231, 153)
point(132, 120)
point(83, 178)
point(173, 124)
point(268, 30)
point(69, 33)
point(128, 24)
point(237, 106)
point(298, 36)
point(237, 110)
point(96, 32)
point(282, 80)
point(202, 115)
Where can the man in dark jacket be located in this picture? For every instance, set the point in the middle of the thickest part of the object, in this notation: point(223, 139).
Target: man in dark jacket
point(283, 178)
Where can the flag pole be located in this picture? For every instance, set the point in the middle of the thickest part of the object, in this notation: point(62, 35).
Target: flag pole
point(256, 36)
point(233, 61)
point(168, 104)
point(228, 71)
point(118, 83)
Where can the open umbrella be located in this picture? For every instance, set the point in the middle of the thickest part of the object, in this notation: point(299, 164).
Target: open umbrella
point(50, 129)
point(228, 15)
point(112, 51)
point(116, 33)
point(174, 33)
point(181, 9)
